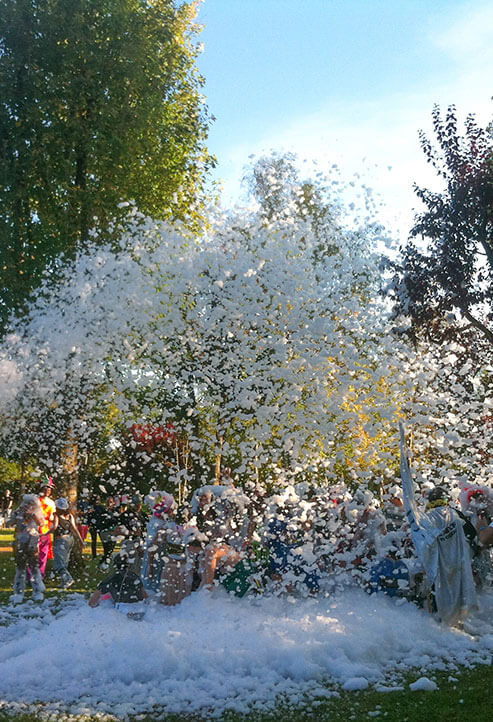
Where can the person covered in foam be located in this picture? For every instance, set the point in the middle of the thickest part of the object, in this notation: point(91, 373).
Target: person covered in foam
point(27, 520)
point(123, 589)
point(442, 547)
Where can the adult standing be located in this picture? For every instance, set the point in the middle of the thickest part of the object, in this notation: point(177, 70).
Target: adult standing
point(441, 546)
point(93, 514)
point(107, 521)
point(48, 507)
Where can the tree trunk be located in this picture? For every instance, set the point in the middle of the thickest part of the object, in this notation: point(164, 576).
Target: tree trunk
point(70, 463)
point(219, 454)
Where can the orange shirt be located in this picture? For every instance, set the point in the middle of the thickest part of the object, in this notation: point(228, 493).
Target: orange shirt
point(48, 506)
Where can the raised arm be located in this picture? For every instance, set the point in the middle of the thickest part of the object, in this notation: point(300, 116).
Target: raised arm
point(485, 531)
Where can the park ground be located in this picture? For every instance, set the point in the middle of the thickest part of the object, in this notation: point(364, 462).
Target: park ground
point(461, 695)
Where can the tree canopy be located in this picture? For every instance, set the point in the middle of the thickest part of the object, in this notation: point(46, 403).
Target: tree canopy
point(453, 272)
point(100, 104)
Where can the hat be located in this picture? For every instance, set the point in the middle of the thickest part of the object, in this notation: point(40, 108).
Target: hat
point(62, 503)
point(438, 493)
point(164, 505)
point(46, 481)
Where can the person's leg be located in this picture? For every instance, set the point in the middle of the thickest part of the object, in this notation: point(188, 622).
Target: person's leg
point(108, 545)
point(36, 576)
point(63, 547)
point(214, 555)
point(94, 541)
point(44, 549)
point(19, 586)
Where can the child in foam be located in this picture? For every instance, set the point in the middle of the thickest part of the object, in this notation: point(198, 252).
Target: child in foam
point(221, 516)
point(65, 535)
point(389, 573)
point(27, 520)
point(162, 504)
point(123, 589)
point(477, 505)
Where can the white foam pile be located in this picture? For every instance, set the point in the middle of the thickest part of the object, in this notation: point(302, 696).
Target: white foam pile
point(215, 652)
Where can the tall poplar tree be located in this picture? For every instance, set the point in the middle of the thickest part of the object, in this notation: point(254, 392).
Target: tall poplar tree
point(100, 104)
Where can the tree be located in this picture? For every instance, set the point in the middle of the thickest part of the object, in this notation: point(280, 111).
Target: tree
point(100, 105)
point(256, 351)
point(259, 356)
point(454, 273)
point(274, 182)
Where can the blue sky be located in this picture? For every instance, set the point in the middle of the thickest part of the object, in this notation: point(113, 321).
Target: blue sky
point(342, 81)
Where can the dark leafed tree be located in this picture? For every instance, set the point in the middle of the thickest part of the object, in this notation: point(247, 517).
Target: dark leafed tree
point(451, 271)
point(100, 104)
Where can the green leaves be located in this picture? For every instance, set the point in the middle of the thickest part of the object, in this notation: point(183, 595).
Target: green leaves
point(100, 103)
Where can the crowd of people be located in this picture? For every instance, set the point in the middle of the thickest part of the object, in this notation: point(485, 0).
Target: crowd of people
point(301, 541)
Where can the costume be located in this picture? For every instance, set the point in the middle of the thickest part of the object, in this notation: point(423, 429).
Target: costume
point(26, 520)
point(442, 548)
point(45, 551)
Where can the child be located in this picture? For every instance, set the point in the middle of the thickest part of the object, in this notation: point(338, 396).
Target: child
point(390, 574)
point(123, 588)
point(162, 512)
point(65, 534)
point(27, 519)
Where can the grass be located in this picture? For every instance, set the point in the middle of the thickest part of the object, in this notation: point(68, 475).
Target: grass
point(467, 699)
point(86, 578)
point(463, 695)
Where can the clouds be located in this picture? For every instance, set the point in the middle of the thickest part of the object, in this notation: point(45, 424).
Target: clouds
point(376, 134)
point(467, 35)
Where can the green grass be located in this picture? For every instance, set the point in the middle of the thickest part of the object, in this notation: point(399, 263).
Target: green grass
point(6, 537)
point(86, 578)
point(468, 698)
